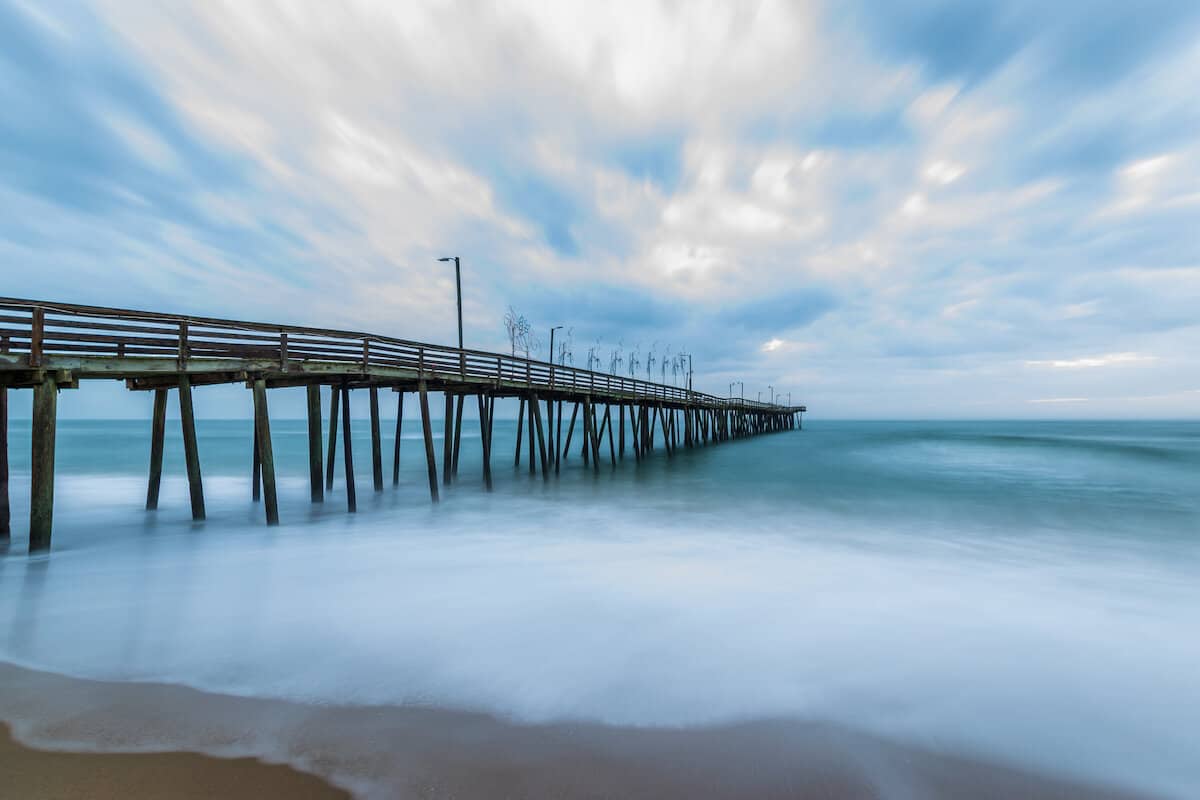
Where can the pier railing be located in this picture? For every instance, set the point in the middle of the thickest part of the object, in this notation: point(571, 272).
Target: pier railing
point(42, 330)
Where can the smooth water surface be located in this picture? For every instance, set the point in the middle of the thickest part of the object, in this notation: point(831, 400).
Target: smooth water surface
point(1023, 591)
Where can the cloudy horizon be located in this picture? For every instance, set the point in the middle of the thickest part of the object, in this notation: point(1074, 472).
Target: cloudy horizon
point(890, 211)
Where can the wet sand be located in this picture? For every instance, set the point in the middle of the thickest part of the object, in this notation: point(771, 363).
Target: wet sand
point(412, 752)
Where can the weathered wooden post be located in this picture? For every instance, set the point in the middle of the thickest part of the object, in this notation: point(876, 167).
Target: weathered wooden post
point(255, 466)
point(41, 495)
point(558, 438)
point(376, 441)
point(315, 478)
point(531, 409)
point(621, 428)
point(427, 429)
point(191, 452)
point(541, 440)
point(485, 424)
point(612, 452)
point(399, 426)
point(5, 510)
point(458, 415)
point(520, 427)
point(448, 441)
point(158, 430)
point(348, 451)
point(566, 450)
point(262, 434)
point(331, 454)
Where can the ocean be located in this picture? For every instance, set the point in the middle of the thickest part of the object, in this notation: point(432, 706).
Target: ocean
point(1021, 591)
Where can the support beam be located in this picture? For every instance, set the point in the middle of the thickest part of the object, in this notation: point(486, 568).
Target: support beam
point(427, 429)
point(376, 441)
point(262, 435)
point(612, 452)
point(448, 442)
point(566, 451)
point(541, 439)
point(458, 415)
point(558, 438)
point(5, 509)
point(532, 408)
point(315, 478)
point(485, 437)
point(255, 466)
point(348, 452)
point(621, 428)
point(191, 452)
point(520, 428)
point(41, 498)
point(399, 425)
point(158, 432)
point(331, 452)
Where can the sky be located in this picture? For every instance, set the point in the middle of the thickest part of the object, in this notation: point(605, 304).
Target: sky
point(889, 210)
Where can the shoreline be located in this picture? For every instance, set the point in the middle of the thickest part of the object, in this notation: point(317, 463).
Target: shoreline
point(103, 733)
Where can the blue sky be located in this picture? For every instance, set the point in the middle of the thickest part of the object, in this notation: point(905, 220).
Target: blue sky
point(906, 209)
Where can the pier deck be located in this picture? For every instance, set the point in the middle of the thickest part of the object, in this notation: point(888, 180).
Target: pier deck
point(47, 347)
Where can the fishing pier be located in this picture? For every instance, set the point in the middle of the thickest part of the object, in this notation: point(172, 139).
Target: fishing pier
point(47, 347)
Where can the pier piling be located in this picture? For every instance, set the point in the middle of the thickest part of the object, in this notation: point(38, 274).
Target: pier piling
point(41, 495)
point(191, 452)
point(262, 435)
point(158, 430)
point(427, 430)
point(315, 478)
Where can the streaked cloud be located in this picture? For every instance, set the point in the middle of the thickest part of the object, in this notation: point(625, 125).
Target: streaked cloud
point(965, 203)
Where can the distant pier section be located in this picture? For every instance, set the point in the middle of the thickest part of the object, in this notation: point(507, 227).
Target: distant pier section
point(47, 347)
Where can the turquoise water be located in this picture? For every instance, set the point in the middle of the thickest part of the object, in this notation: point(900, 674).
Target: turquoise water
point(1025, 591)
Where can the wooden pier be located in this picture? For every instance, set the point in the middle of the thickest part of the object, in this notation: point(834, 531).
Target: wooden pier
point(47, 347)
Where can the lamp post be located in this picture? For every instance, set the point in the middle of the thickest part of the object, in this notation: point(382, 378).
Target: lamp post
point(458, 285)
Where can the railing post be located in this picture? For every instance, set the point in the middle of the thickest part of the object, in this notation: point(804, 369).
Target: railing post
point(366, 353)
point(36, 336)
point(420, 363)
point(183, 344)
point(283, 355)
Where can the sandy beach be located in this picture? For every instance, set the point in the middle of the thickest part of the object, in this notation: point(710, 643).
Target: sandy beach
point(96, 739)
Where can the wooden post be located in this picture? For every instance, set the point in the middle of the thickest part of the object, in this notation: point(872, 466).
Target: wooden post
point(485, 424)
point(533, 464)
point(541, 440)
point(621, 428)
point(190, 451)
point(427, 429)
point(558, 438)
point(262, 434)
point(520, 427)
point(5, 510)
point(348, 452)
point(399, 425)
point(612, 451)
point(330, 458)
point(550, 423)
point(566, 451)
point(376, 441)
point(158, 429)
point(41, 496)
point(458, 414)
point(595, 435)
point(448, 441)
point(315, 478)
point(255, 466)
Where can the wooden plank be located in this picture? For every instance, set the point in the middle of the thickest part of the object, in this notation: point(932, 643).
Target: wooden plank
point(315, 478)
point(485, 441)
point(427, 429)
point(262, 435)
point(158, 429)
point(399, 427)
point(41, 497)
point(348, 452)
point(376, 441)
point(330, 455)
point(5, 508)
point(191, 452)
